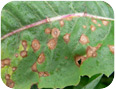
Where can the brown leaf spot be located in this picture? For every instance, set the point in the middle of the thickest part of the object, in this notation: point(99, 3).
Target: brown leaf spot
point(91, 51)
point(16, 55)
point(84, 39)
point(7, 76)
point(66, 57)
point(99, 25)
point(23, 53)
point(105, 23)
point(35, 45)
point(4, 62)
point(34, 67)
point(14, 68)
point(41, 58)
point(111, 47)
point(80, 59)
point(84, 26)
point(24, 43)
point(66, 37)
point(52, 43)
point(61, 23)
point(43, 74)
point(10, 83)
point(55, 32)
point(94, 21)
point(47, 30)
point(93, 28)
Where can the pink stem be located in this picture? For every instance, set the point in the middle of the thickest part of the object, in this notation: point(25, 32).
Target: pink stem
point(51, 20)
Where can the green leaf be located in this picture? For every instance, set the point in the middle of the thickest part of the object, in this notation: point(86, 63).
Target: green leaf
point(90, 82)
point(60, 62)
point(93, 82)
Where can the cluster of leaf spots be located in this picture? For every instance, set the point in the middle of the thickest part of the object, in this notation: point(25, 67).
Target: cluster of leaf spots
point(40, 60)
point(6, 62)
point(51, 44)
point(90, 51)
point(9, 82)
point(23, 53)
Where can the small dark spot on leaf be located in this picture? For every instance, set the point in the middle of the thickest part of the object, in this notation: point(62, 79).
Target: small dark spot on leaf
point(84, 39)
point(47, 30)
point(7, 76)
point(99, 25)
point(34, 67)
point(84, 26)
point(61, 23)
point(93, 28)
point(10, 83)
point(66, 57)
point(43, 74)
point(66, 37)
point(41, 58)
point(16, 55)
point(105, 23)
point(91, 51)
point(14, 68)
point(35, 45)
point(24, 43)
point(94, 20)
point(55, 32)
point(23, 53)
point(111, 47)
point(52, 43)
point(4, 62)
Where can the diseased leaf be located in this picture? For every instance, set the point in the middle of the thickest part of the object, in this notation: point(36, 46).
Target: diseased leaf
point(57, 57)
